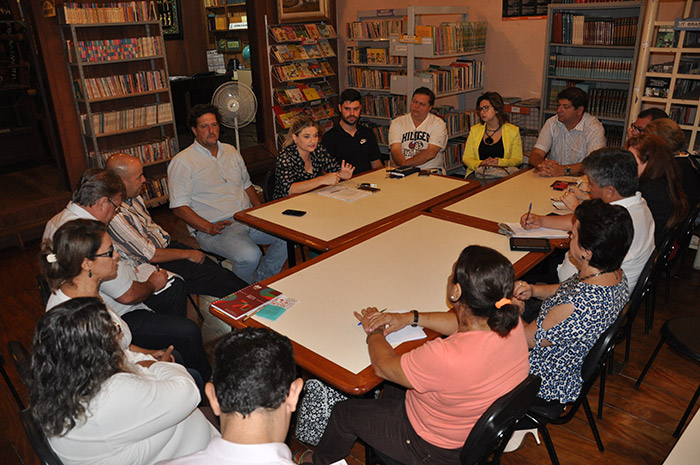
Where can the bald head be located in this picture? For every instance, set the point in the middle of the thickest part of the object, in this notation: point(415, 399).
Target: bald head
point(130, 170)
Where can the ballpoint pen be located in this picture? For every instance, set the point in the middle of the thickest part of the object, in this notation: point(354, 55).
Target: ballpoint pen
point(528, 213)
point(380, 311)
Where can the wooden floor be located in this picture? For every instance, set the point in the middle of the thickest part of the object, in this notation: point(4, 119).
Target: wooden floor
point(636, 427)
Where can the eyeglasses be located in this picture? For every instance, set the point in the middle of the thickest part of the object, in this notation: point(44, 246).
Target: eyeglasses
point(108, 254)
point(637, 128)
point(485, 108)
point(116, 207)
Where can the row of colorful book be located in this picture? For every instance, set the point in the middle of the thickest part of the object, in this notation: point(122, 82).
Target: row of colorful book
point(285, 116)
point(458, 122)
point(114, 121)
point(614, 134)
point(607, 102)
point(211, 3)
point(115, 49)
point(614, 68)
point(457, 76)
point(454, 152)
point(302, 93)
point(386, 106)
point(152, 189)
point(113, 12)
point(302, 32)
point(687, 89)
point(290, 52)
point(123, 84)
point(683, 114)
point(150, 152)
point(372, 78)
point(373, 56)
point(568, 28)
point(374, 29)
point(302, 70)
point(461, 37)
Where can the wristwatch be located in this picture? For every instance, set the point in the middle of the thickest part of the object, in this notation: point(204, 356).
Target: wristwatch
point(415, 318)
point(567, 171)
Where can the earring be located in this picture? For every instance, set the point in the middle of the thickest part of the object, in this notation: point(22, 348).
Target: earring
point(89, 273)
point(453, 298)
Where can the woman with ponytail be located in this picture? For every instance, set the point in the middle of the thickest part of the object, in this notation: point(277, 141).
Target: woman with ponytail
point(450, 382)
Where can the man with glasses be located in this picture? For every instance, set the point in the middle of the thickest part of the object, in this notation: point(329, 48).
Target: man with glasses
point(419, 138)
point(643, 119)
point(98, 197)
point(568, 137)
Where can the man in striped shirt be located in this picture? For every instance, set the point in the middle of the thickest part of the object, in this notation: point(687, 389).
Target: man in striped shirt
point(139, 238)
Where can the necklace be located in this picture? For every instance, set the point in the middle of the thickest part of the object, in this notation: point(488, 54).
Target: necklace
point(488, 140)
point(594, 275)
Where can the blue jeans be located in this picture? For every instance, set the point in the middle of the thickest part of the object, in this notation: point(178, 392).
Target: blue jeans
point(239, 243)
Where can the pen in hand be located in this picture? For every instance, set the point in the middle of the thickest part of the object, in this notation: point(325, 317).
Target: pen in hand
point(528, 213)
point(359, 323)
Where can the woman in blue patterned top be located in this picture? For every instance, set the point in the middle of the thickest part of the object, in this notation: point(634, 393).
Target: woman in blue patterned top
point(577, 311)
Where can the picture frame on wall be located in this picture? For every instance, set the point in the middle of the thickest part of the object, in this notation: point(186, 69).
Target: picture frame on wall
point(302, 10)
point(170, 15)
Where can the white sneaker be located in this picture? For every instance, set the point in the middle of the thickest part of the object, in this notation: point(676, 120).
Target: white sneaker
point(516, 440)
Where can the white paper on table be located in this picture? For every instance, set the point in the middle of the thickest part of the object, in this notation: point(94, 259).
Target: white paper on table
point(145, 270)
point(409, 333)
point(347, 194)
point(519, 231)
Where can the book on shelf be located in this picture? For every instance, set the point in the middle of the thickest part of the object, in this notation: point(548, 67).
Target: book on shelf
point(285, 116)
point(155, 188)
point(385, 106)
point(666, 37)
point(92, 13)
point(369, 78)
point(302, 70)
point(657, 87)
point(149, 152)
point(374, 29)
point(90, 51)
point(302, 32)
point(573, 66)
point(458, 37)
point(570, 28)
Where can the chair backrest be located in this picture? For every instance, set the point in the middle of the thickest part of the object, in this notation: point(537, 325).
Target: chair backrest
point(269, 185)
point(10, 386)
point(685, 232)
point(491, 432)
point(37, 439)
point(44, 289)
point(21, 359)
point(599, 353)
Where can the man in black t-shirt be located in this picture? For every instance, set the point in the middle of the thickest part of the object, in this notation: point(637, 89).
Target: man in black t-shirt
point(349, 141)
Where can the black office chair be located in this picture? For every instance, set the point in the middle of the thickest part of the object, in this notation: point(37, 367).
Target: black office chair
point(683, 335)
point(491, 432)
point(269, 185)
point(680, 247)
point(593, 365)
point(11, 386)
point(37, 439)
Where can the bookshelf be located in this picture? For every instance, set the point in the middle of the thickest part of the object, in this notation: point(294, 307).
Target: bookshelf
point(593, 46)
point(385, 47)
point(668, 74)
point(227, 22)
point(116, 58)
point(303, 73)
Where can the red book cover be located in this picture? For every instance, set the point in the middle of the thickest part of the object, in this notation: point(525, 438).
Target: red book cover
point(246, 300)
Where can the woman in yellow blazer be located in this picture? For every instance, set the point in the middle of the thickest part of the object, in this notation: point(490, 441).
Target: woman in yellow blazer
point(493, 142)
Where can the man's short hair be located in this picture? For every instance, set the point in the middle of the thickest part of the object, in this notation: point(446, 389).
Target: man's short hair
point(613, 166)
point(425, 91)
point(655, 113)
point(349, 95)
point(253, 368)
point(96, 183)
point(576, 96)
point(202, 109)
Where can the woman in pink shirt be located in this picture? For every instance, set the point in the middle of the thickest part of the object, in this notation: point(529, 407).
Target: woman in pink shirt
point(450, 381)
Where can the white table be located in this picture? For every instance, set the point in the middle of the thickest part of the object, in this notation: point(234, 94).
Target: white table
point(687, 449)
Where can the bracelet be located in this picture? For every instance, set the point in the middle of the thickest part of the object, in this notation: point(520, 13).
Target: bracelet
point(376, 331)
point(415, 318)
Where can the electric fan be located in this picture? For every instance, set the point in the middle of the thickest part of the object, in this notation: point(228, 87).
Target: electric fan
point(237, 104)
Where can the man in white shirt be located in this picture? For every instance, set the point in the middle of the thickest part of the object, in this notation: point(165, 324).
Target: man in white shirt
point(208, 183)
point(254, 392)
point(419, 138)
point(568, 137)
point(612, 177)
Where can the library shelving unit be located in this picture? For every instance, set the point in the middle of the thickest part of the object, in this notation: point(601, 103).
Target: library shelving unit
point(303, 73)
point(593, 46)
point(668, 74)
point(116, 58)
point(410, 46)
point(227, 22)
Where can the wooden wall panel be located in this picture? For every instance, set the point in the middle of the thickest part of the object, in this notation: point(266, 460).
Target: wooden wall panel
point(188, 55)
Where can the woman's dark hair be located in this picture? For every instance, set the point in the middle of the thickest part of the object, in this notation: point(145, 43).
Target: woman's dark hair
point(486, 277)
point(76, 349)
point(656, 153)
point(71, 244)
point(606, 231)
point(669, 131)
point(496, 101)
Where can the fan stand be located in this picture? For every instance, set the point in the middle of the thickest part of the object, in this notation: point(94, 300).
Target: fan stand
point(235, 125)
point(233, 107)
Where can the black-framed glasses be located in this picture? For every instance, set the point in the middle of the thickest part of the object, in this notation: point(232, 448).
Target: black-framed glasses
point(108, 254)
point(116, 207)
point(485, 108)
point(637, 128)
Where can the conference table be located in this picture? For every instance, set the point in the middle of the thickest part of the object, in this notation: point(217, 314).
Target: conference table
point(330, 222)
point(401, 265)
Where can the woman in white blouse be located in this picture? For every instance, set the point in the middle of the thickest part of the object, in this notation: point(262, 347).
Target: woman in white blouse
point(98, 407)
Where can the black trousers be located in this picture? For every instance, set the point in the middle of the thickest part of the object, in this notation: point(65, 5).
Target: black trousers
point(156, 331)
point(206, 278)
point(383, 424)
point(172, 301)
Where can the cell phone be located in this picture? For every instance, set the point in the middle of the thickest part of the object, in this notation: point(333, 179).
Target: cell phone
point(530, 244)
point(424, 173)
point(559, 185)
point(368, 187)
point(291, 212)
